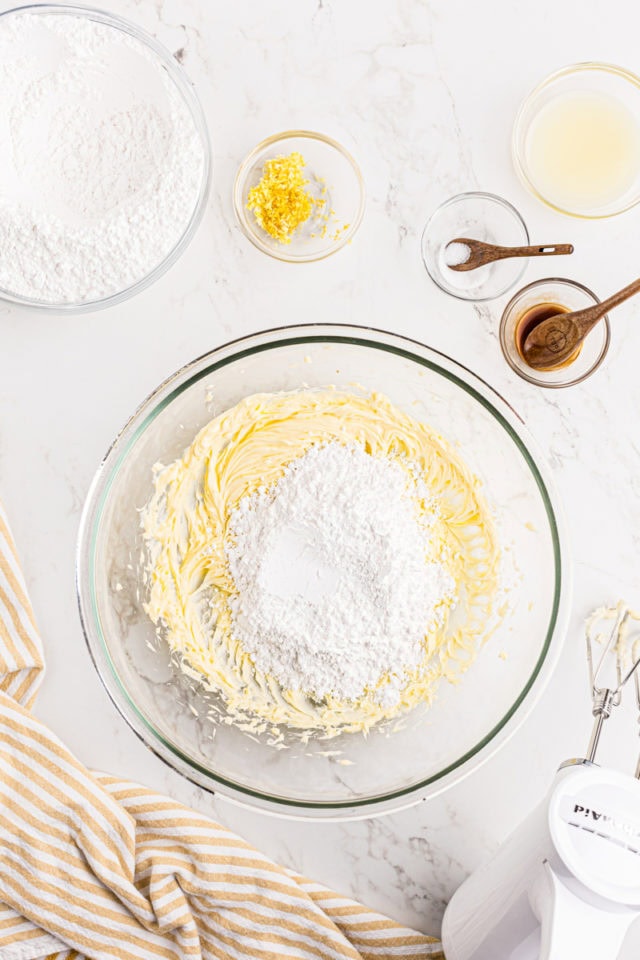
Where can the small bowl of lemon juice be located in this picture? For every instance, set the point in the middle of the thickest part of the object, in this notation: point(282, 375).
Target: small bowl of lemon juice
point(576, 140)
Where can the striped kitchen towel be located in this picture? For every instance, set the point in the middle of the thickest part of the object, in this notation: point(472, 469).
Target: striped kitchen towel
point(93, 866)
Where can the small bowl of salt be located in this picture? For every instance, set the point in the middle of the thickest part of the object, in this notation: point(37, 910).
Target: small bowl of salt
point(482, 216)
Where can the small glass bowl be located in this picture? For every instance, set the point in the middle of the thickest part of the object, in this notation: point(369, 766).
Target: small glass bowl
point(570, 294)
point(186, 92)
point(600, 80)
point(334, 177)
point(477, 216)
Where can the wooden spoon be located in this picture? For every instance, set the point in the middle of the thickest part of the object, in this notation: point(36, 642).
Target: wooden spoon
point(556, 338)
point(481, 253)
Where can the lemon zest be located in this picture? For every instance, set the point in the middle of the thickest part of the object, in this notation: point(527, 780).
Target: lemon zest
point(280, 201)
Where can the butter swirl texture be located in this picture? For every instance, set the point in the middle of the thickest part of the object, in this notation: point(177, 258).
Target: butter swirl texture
point(249, 446)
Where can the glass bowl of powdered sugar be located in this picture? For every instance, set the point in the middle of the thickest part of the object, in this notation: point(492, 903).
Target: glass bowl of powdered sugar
point(105, 158)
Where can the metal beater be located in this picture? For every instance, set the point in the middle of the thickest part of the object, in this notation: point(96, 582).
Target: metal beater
point(611, 661)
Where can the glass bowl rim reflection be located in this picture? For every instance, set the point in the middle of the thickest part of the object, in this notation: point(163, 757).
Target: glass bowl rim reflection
point(252, 233)
point(187, 92)
point(531, 377)
point(519, 161)
point(117, 453)
point(482, 195)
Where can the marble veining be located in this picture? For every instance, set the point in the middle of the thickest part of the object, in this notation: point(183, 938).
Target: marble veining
point(424, 94)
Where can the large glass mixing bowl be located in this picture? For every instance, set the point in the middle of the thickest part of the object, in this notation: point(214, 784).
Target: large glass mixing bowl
point(350, 775)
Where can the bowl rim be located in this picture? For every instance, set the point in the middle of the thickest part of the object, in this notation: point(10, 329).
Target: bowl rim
point(493, 198)
point(186, 90)
point(531, 378)
point(584, 66)
point(203, 366)
point(243, 221)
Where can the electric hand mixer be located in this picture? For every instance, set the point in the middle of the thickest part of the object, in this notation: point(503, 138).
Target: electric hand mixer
point(566, 884)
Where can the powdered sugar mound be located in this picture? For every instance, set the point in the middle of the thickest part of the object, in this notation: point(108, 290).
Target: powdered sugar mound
point(335, 588)
point(101, 162)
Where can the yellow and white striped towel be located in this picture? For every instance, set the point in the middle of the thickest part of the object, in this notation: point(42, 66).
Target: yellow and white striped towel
point(92, 866)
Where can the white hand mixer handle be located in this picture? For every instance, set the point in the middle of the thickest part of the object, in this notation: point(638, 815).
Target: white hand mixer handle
point(571, 927)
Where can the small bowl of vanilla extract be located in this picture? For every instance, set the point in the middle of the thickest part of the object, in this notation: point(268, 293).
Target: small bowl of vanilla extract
point(537, 302)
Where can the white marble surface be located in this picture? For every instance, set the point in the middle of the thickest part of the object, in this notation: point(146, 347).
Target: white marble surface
point(424, 93)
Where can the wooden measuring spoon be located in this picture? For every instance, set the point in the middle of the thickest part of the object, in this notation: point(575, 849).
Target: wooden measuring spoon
point(556, 338)
point(481, 253)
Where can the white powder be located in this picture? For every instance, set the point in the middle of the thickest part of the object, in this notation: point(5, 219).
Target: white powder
point(456, 253)
point(335, 588)
point(100, 161)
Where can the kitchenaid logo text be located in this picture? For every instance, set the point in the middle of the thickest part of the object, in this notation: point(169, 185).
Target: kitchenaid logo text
point(603, 819)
